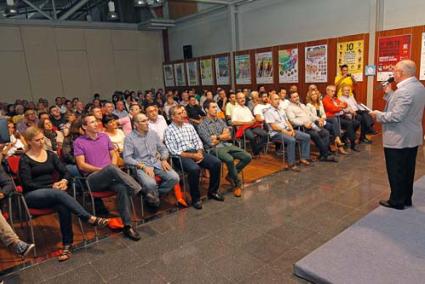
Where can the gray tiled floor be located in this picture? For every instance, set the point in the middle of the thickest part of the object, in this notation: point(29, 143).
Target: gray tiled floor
point(255, 239)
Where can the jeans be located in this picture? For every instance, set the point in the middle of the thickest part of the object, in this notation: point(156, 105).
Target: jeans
point(366, 123)
point(257, 144)
point(350, 126)
point(7, 235)
point(228, 154)
point(321, 139)
point(332, 125)
point(290, 142)
point(62, 203)
point(168, 181)
point(111, 178)
point(193, 170)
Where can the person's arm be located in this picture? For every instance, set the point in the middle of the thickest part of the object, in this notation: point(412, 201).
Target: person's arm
point(329, 106)
point(6, 184)
point(60, 167)
point(399, 112)
point(162, 150)
point(171, 142)
point(225, 135)
point(114, 157)
point(292, 117)
point(25, 174)
point(204, 134)
point(84, 166)
point(129, 151)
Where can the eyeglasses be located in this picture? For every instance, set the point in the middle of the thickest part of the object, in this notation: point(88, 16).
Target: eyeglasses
point(142, 121)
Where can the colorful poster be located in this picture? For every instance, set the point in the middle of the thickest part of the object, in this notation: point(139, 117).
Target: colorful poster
point(316, 64)
point(222, 70)
point(192, 73)
point(391, 50)
point(206, 72)
point(422, 66)
point(180, 74)
point(288, 65)
point(168, 75)
point(243, 69)
point(352, 54)
point(264, 67)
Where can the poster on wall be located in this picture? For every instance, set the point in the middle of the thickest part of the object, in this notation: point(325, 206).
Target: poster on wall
point(391, 50)
point(206, 72)
point(316, 64)
point(288, 65)
point(180, 74)
point(192, 73)
point(264, 67)
point(243, 69)
point(222, 70)
point(168, 75)
point(422, 66)
point(352, 54)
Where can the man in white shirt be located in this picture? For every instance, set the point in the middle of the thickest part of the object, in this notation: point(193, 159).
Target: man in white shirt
point(300, 117)
point(284, 102)
point(157, 122)
point(261, 107)
point(243, 119)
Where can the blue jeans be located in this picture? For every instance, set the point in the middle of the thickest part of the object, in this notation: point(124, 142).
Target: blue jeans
point(290, 143)
point(168, 180)
point(62, 203)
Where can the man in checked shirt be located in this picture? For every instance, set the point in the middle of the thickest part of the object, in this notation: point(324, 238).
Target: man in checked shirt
point(182, 140)
point(216, 136)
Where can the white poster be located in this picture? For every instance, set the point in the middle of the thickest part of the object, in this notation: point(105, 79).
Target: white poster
point(264, 67)
point(316, 64)
point(422, 69)
point(168, 75)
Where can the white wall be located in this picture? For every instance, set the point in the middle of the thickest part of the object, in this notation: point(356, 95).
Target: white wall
point(48, 62)
point(265, 23)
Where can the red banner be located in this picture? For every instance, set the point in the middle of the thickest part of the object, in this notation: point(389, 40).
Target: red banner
point(390, 51)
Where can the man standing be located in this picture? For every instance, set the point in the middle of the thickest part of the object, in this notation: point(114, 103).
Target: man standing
point(402, 132)
point(144, 150)
point(183, 141)
point(216, 136)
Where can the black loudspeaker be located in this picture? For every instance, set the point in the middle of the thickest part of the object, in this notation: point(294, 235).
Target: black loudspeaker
point(187, 51)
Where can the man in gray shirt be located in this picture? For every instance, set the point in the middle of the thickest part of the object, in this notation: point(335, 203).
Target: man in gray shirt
point(402, 132)
point(141, 150)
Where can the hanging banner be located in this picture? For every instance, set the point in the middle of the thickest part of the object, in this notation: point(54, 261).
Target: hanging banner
point(222, 70)
point(243, 69)
point(192, 73)
point(391, 50)
point(352, 54)
point(206, 72)
point(264, 67)
point(180, 74)
point(168, 75)
point(422, 66)
point(288, 65)
point(316, 64)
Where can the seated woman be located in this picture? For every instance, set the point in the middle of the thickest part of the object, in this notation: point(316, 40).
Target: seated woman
point(41, 190)
point(16, 145)
point(53, 138)
point(70, 118)
point(116, 135)
point(315, 106)
point(335, 108)
point(68, 158)
point(359, 113)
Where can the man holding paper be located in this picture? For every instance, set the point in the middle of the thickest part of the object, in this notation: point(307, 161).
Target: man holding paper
point(402, 132)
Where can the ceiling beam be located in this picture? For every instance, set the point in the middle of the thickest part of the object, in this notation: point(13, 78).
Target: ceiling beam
point(37, 9)
point(72, 10)
point(219, 2)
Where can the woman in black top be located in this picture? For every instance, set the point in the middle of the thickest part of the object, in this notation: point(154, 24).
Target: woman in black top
point(41, 190)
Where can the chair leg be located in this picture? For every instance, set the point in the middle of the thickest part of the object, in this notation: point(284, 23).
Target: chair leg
point(29, 223)
point(10, 212)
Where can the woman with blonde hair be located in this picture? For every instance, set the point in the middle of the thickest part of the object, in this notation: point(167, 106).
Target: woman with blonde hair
point(42, 190)
point(315, 106)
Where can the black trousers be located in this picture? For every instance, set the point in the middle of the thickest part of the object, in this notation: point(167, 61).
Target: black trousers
point(401, 173)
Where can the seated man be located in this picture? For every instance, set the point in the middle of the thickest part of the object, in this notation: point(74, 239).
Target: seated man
point(95, 156)
point(280, 129)
point(215, 134)
point(157, 122)
point(194, 111)
point(183, 141)
point(144, 150)
point(299, 116)
point(242, 118)
point(30, 119)
point(261, 107)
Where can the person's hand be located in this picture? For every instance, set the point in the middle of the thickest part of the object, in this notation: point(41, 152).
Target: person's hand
point(198, 156)
point(61, 185)
point(374, 114)
point(165, 165)
point(2, 195)
point(321, 122)
point(149, 171)
point(307, 125)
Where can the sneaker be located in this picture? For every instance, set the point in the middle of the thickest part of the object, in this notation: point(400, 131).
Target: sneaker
point(237, 192)
point(22, 248)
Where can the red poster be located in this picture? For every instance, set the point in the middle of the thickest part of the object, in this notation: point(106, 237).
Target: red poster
point(391, 50)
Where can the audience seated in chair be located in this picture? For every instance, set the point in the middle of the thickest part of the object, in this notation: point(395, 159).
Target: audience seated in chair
point(216, 137)
point(194, 111)
point(41, 190)
point(299, 116)
point(144, 151)
point(96, 158)
point(157, 122)
point(184, 143)
point(281, 130)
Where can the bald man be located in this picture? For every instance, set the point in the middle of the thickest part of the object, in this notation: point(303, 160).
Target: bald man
point(402, 132)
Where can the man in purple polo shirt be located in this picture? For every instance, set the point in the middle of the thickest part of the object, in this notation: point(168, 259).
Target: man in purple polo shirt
point(95, 156)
